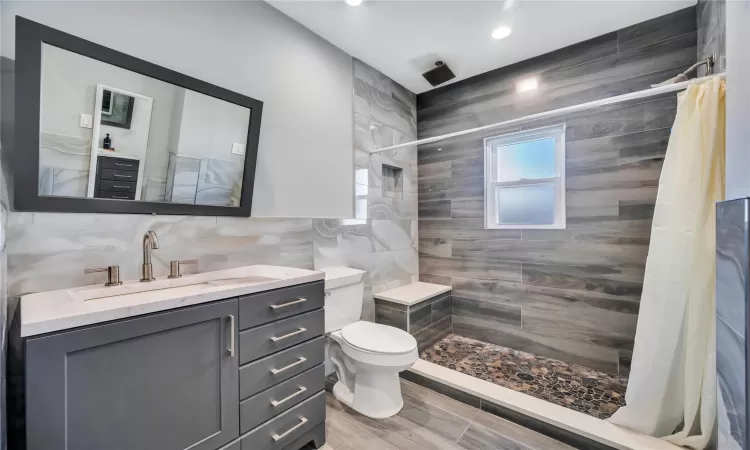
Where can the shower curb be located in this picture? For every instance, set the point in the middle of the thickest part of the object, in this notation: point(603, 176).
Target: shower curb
point(526, 421)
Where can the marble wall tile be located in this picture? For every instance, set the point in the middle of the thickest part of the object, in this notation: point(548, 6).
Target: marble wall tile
point(393, 234)
point(50, 251)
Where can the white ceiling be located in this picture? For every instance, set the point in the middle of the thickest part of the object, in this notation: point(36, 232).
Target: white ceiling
point(403, 38)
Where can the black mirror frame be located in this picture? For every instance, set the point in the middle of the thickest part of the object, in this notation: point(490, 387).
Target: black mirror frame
point(29, 39)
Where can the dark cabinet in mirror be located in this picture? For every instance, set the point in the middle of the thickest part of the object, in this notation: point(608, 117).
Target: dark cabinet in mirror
point(101, 131)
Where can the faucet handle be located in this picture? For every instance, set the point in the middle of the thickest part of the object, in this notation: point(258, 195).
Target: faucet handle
point(113, 274)
point(174, 267)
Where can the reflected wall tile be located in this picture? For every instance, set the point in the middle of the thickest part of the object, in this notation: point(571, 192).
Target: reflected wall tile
point(70, 183)
point(46, 180)
point(370, 135)
point(65, 152)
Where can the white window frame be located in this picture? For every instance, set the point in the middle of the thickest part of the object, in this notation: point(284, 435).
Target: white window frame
point(491, 144)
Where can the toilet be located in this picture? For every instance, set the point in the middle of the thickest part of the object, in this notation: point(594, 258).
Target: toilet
point(367, 357)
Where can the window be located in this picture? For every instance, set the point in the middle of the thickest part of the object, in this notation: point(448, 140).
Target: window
point(525, 179)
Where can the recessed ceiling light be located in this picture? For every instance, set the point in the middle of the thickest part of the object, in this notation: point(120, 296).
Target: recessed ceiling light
point(501, 33)
point(529, 84)
point(354, 2)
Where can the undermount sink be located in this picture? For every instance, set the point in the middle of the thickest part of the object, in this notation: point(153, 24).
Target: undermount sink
point(206, 280)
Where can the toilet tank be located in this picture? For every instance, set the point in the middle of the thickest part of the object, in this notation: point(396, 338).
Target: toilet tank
point(344, 295)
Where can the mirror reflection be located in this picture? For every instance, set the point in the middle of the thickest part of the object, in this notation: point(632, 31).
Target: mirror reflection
point(111, 133)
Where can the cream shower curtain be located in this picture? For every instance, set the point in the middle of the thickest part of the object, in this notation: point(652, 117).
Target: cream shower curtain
point(673, 372)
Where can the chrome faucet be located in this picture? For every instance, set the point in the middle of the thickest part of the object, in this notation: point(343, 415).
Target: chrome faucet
point(150, 241)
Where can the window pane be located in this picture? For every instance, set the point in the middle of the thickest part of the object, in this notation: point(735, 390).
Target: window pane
point(526, 205)
point(527, 160)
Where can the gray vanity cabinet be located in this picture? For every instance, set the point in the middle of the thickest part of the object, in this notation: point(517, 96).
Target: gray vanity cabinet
point(164, 381)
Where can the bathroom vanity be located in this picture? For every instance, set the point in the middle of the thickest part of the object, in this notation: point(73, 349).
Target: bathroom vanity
point(229, 360)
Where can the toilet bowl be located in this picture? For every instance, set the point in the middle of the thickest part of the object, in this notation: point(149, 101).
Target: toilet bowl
point(367, 357)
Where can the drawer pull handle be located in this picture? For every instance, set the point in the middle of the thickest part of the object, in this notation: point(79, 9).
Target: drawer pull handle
point(231, 336)
point(278, 437)
point(284, 305)
point(281, 338)
point(123, 176)
point(123, 165)
point(278, 371)
point(121, 198)
point(277, 403)
point(120, 187)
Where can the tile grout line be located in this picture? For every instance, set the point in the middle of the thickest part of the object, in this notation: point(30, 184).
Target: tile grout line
point(464, 432)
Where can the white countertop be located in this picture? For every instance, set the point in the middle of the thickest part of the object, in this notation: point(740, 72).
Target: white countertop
point(412, 293)
point(46, 312)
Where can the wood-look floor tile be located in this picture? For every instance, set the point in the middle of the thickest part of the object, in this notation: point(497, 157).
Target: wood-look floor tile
point(480, 438)
point(333, 403)
point(401, 433)
point(343, 434)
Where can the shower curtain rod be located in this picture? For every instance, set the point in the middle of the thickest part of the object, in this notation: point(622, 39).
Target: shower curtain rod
point(556, 112)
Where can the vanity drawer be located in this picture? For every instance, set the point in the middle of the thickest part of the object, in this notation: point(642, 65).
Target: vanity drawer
point(117, 186)
point(119, 175)
point(117, 195)
point(271, 402)
point(259, 309)
point(282, 430)
point(269, 371)
point(264, 340)
point(119, 163)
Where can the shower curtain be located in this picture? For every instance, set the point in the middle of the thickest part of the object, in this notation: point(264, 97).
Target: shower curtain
point(672, 388)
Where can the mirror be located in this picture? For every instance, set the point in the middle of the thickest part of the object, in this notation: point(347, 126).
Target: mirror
point(112, 133)
point(118, 134)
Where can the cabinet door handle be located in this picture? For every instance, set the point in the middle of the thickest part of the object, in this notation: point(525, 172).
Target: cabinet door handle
point(278, 437)
point(231, 336)
point(277, 403)
point(294, 333)
point(278, 371)
point(284, 305)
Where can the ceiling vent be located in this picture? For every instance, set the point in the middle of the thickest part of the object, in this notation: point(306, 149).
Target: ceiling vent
point(439, 75)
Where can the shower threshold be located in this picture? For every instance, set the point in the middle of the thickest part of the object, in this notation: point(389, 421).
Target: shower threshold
point(572, 386)
point(559, 422)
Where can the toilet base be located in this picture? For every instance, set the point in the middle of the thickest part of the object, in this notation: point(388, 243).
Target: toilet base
point(377, 393)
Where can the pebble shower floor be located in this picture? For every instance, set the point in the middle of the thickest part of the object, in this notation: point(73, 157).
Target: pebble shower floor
point(576, 387)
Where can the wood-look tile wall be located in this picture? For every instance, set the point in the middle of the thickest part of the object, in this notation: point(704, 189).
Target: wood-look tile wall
point(570, 294)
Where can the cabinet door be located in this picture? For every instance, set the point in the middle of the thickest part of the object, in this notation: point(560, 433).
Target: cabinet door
point(160, 382)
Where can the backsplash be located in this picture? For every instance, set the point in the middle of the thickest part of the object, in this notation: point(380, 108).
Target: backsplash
point(50, 251)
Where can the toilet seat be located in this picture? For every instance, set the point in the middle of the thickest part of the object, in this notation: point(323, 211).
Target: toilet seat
point(378, 339)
